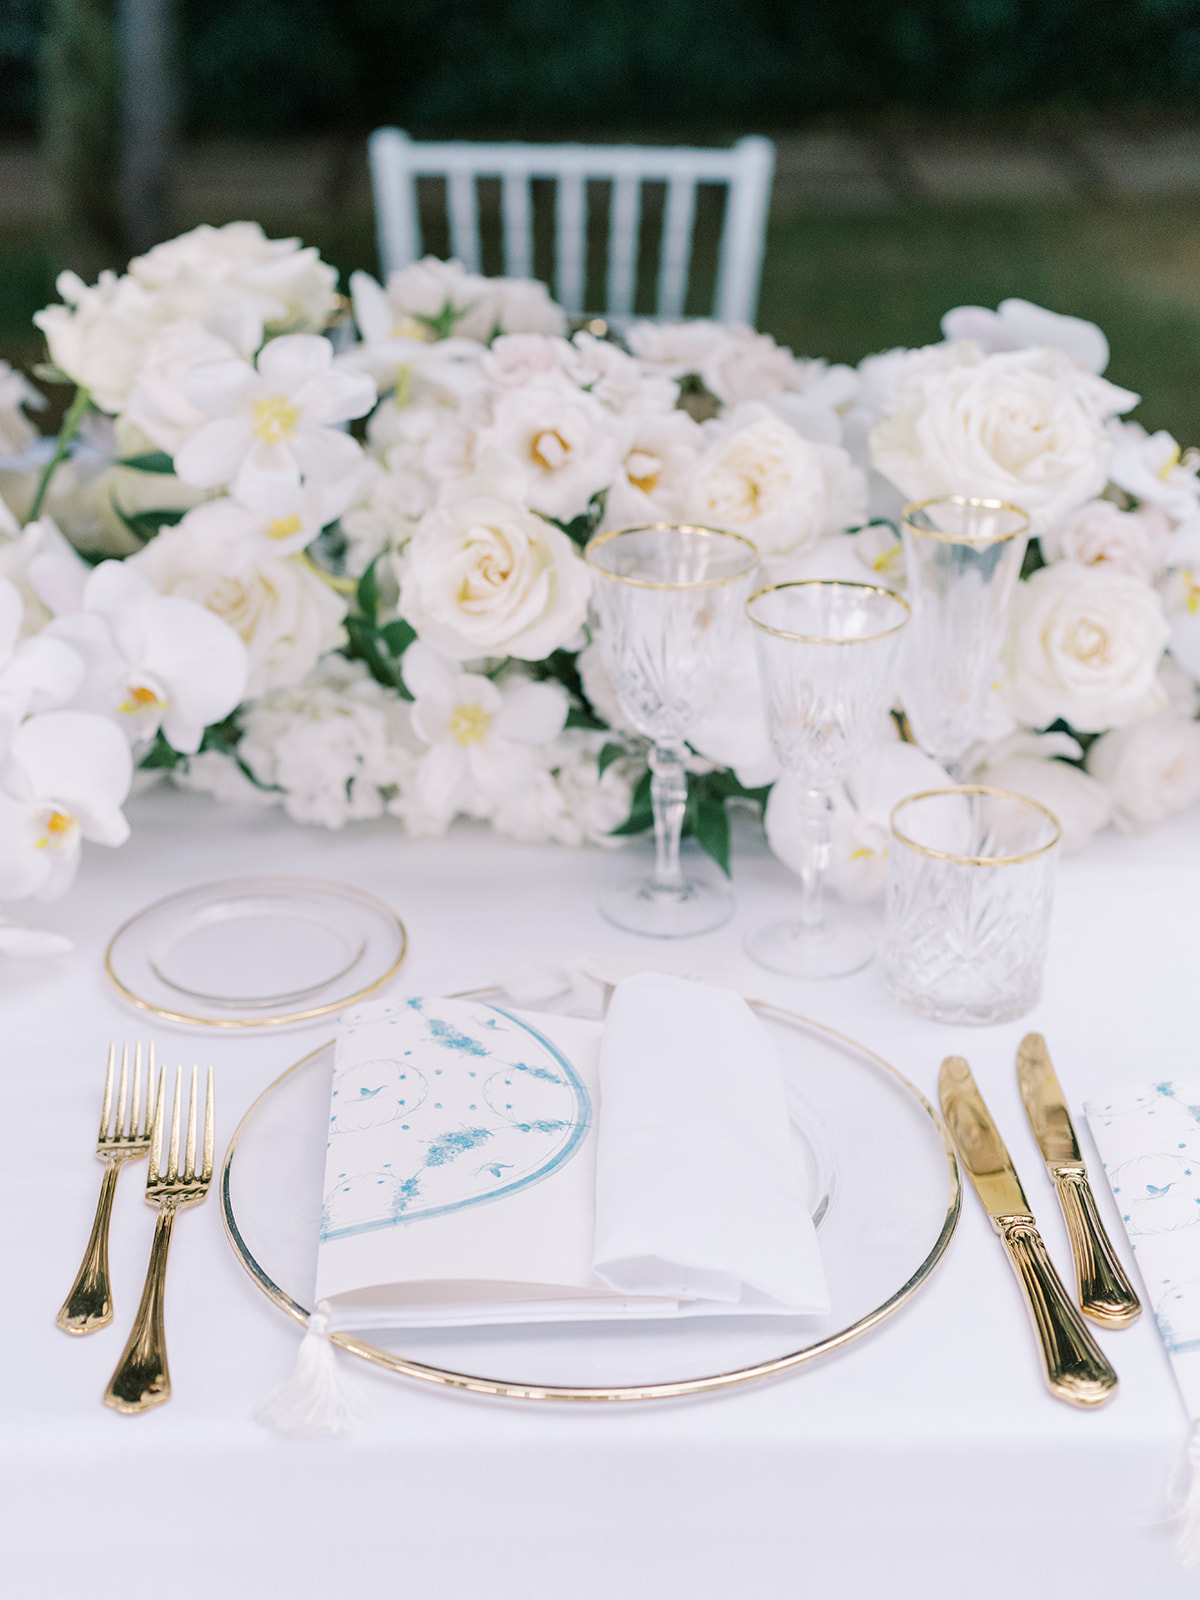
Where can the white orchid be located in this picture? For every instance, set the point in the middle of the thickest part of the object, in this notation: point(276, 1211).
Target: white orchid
point(35, 674)
point(1151, 467)
point(1020, 325)
point(64, 779)
point(153, 661)
point(276, 520)
point(276, 422)
point(483, 737)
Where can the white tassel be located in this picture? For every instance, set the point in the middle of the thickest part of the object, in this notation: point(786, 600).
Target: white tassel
point(312, 1398)
point(1185, 1503)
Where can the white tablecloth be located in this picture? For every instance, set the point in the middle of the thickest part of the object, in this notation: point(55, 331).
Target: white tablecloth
point(924, 1458)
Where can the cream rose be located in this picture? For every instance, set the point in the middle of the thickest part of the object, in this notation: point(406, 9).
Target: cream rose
point(760, 478)
point(287, 617)
point(1024, 426)
point(1084, 644)
point(292, 289)
point(1151, 769)
point(485, 577)
point(1101, 534)
point(561, 440)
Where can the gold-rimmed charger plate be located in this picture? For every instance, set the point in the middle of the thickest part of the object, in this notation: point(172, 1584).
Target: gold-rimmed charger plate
point(886, 1192)
point(256, 952)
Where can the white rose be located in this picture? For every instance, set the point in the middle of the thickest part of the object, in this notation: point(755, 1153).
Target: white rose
point(761, 479)
point(287, 617)
point(157, 404)
point(561, 440)
point(290, 286)
point(485, 577)
point(1023, 426)
point(99, 336)
point(516, 359)
point(1101, 534)
point(678, 346)
point(1084, 644)
point(1151, 769)
point(424, 289)
point(1020, 325)
point(657, 453)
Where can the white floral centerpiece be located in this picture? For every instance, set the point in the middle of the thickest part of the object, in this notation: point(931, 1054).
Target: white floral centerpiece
point(328, 555)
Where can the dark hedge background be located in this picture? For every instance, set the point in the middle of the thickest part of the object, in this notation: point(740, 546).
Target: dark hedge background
point(265, 66)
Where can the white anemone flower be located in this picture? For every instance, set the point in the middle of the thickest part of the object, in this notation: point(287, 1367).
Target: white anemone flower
point(153, 661)
point(63, 780)
point(35, 674)
point(483, 737)
point(279, 422)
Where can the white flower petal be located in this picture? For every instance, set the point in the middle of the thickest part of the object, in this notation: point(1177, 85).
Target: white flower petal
point(533, 713)
point(214, 452)
point(290, 361)
point(217, 386)
point(428, 674)
point(443, 780)
point(72, 757)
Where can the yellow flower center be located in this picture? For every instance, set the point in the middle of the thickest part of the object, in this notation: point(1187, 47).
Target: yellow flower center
point(887, 559)
point(643, 471)
point(284, 527)
point(1169, 464)
point(469, 725)
point(550, 450)
point(275, 419)
point(1192, 591)
point(140, 699)
point(59, 827)
point(861, 854)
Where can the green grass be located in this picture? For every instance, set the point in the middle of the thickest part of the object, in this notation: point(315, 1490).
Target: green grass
point(842, 284)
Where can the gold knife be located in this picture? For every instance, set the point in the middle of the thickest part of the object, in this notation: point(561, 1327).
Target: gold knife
point(1076, 1369)
point(1105, 1293)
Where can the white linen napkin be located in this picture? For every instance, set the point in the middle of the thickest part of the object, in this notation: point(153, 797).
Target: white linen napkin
point(1149, 1141)
point(699, 1190)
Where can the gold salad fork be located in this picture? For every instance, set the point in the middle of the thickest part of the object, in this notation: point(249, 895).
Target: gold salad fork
point(89, 1304)
point(142, 1378)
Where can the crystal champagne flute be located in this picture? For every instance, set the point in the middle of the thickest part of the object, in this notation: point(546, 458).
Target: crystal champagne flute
point(827, 656)
point(668, 598)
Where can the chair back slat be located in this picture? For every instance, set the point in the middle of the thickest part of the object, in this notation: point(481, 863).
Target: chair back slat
point(676, 250)
point(624, 215)
point(462, 208)
point(571, 221)
point(518, 224)
point(746, 171)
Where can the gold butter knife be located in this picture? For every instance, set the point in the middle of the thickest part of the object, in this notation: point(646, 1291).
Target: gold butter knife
point(1105, 1293)
point(1076, 1369)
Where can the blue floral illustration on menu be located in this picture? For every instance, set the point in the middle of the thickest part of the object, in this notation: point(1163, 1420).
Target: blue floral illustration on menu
point(442, 1104)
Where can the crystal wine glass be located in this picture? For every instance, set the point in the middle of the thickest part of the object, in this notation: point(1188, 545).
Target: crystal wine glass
point(963, 559)
point(827, 657)
point(668, 598)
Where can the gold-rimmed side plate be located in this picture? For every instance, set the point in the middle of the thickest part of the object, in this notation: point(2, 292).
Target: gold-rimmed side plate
point(256, 952)
point(885, 1192)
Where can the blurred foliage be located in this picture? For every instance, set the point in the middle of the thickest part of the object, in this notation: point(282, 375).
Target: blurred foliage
point(286, 65)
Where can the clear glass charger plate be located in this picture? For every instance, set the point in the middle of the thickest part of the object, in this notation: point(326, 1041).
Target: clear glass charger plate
point(256, 952)
point(884, 1191)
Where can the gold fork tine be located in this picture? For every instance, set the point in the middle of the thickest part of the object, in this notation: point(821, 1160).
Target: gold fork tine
point(119, 1129)
point(106, 1107)
point(189, 1170)
point(148, 1111)
point(206, 1175)
point(176, 1107)
point(156, 1131)
point(129, 1126)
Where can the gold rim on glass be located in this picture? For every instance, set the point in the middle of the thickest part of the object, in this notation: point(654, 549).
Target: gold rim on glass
point(964, 501)
point(823, 638)
point(672, 527)
point(975, 861)
point(286, 1020)
point(470, 1383)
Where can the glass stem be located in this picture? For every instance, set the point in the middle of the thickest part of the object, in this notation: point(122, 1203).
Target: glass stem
point(668, 800)
point(815, 807)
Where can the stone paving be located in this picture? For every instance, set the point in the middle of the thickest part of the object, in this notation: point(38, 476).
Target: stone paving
point(843, 169)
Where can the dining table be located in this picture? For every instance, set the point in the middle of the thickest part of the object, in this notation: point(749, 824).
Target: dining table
point(924, 1459)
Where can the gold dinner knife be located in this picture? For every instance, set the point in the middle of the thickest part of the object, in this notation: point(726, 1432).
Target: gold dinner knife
point(1076, 1369)
point(1105, 1293)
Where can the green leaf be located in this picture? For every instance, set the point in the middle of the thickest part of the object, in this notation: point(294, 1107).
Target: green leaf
point(610, 753)
point(143, 525)
point(580, 717)
point(150, 461)
point(710, 826)
point(1034, 559)
point(398, 636)
point(367, 593)
point(641, 814)
point(443, 325)
point(369, 644)
point(161, 757)
point(581, 528)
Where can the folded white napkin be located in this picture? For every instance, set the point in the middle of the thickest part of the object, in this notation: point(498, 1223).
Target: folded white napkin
point(1148, 1137)
point(699, 1190)
point(488, 1165)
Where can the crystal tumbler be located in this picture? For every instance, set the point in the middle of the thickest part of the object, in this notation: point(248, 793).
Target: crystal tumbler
point(970, 890)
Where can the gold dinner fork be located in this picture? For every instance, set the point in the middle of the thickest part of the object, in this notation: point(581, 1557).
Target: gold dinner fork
point(142, 1378)
point(89, 1304)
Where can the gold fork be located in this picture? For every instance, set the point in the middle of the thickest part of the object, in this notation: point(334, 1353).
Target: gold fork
point(142, 1378)
point(89, 1304)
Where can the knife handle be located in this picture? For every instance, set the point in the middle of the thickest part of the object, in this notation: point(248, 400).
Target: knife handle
point(1105, 1293)
point(1076, 1369)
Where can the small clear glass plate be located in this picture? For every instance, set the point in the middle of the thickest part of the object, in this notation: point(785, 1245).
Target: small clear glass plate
point(885, 1195)
point(256, 952)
